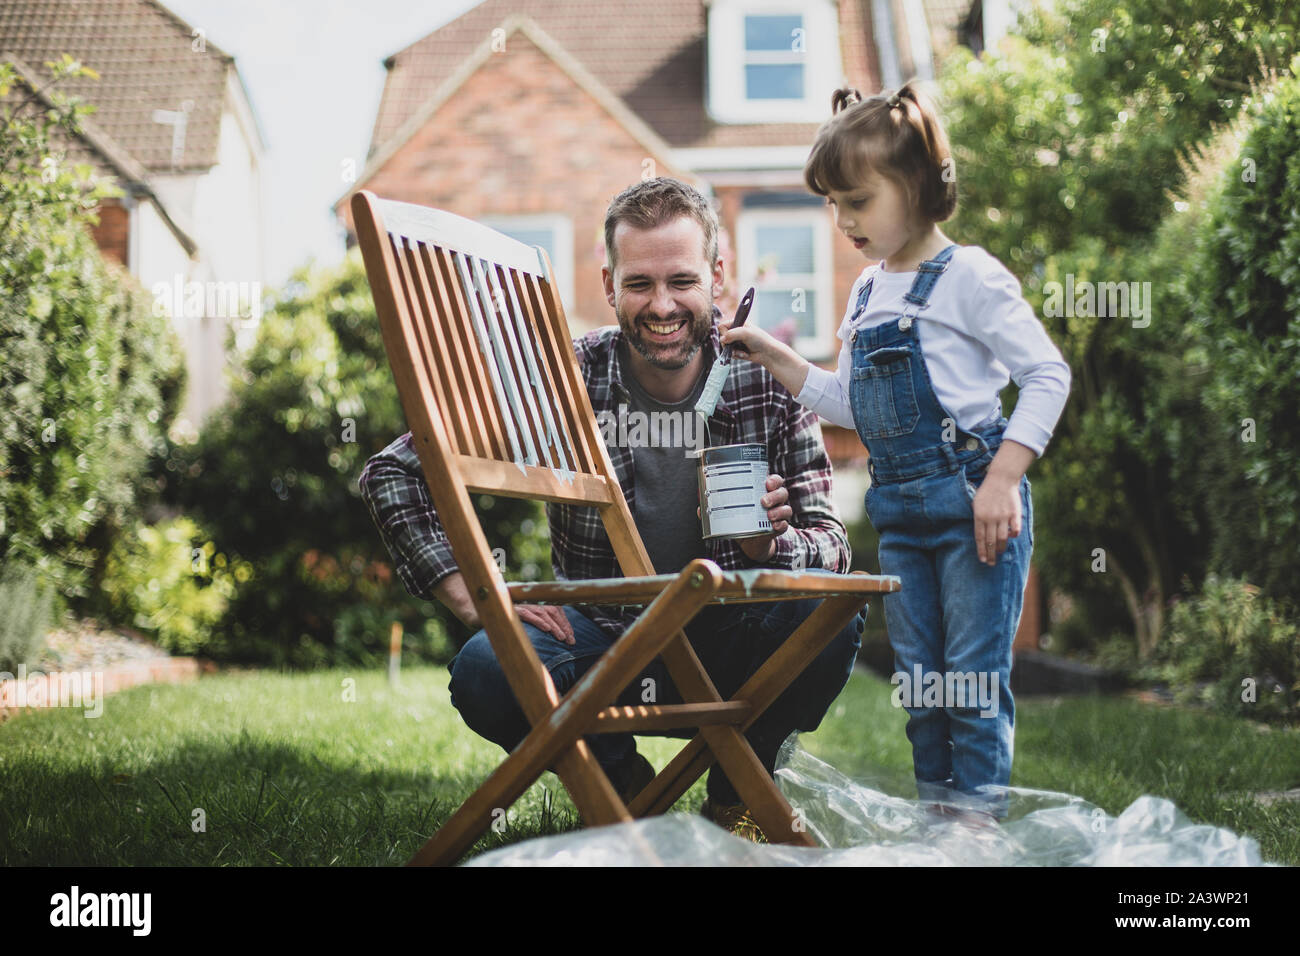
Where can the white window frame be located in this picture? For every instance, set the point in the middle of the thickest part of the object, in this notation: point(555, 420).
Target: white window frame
point(882, 25)
point(727, 58)
point(817, 347)
point(561, 227)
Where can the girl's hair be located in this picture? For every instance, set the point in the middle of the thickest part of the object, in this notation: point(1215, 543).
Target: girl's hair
point(897, 135)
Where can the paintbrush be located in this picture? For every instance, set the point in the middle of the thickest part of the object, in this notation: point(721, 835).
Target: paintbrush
point(718, 374)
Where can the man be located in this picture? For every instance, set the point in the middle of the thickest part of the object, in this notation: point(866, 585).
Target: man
point(662, 277)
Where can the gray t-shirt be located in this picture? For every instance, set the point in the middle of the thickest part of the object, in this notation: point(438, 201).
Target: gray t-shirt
point(667, 484)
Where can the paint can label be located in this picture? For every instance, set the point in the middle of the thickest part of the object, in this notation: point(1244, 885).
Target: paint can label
point(733, 480)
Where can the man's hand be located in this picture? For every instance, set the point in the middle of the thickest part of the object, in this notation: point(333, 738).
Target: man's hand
point(549, 618)
point(778, 512)
point(762, 548)
point(454, 593)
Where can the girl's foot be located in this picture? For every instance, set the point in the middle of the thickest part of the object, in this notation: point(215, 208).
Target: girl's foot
point(976, 819)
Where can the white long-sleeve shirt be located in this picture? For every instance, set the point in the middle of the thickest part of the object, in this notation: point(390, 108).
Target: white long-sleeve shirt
point(977, 334)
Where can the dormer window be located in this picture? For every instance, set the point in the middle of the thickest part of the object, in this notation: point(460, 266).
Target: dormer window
point(772, 61)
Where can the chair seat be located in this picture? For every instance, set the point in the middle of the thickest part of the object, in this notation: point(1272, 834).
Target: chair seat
point(738, 587)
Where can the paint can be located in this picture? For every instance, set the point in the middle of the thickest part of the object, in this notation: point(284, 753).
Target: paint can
point(733, 481)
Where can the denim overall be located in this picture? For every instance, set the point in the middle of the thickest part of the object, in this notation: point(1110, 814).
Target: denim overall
point(955, 618)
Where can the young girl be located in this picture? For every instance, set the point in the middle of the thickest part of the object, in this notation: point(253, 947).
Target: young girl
point(931, 336)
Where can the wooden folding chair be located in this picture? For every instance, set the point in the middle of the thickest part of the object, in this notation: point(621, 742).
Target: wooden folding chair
point(484, 362)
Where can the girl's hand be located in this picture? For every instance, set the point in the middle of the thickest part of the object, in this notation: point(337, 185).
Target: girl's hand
point(786, 365)
point(757, 344)
point(997, 516)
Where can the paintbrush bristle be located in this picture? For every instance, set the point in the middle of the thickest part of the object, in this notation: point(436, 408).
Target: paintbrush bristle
point(712, 389)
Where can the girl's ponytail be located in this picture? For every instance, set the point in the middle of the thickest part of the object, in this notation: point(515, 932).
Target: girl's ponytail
point(897, 134)
point(843, 98)
point(924, 118)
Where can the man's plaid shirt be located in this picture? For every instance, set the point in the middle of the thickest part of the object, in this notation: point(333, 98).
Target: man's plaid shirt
point(754, 408)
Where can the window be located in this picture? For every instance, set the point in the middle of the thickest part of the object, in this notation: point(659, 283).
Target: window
point(785, 254)
point(772, 60)
point(554, 233)
point(774, 68)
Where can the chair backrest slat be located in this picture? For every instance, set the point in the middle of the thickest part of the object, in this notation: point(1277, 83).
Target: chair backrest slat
point(465, 410)
point(492, 349)
point(453, 315)
point(554, 363)
point(552, 442)
point(475, 320)
point(432, 353)
point(498, 310)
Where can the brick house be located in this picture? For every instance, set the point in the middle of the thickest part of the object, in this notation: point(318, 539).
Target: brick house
point(175, 130)
point(530, 115)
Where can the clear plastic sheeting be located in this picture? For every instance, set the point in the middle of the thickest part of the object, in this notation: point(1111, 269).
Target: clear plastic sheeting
point(856, 825)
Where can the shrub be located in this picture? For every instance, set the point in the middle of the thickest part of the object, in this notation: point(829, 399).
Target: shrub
point(1233, 648)
point(27, 605)
point(1147, 465)
point(90, 378)
point(274, 473)
point(171, 583)
point(1245, 325)
point(1050, 130)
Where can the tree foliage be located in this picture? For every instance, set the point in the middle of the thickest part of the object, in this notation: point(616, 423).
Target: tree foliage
point(1244, 337)
point(274, 477)
point(90, 378)
point(1073, 146)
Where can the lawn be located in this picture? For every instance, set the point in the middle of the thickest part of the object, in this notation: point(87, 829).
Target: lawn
point(286, 770)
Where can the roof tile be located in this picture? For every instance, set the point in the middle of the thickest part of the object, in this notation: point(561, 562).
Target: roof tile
point(143, 54)
point(652, 55)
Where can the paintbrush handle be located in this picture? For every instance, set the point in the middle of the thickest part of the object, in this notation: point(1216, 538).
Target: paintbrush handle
point(742, 313)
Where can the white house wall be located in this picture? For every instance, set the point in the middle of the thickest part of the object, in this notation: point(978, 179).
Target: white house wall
point(227, 212)
point(221, 210)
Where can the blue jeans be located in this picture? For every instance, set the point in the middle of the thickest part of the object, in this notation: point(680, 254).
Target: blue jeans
point(732, 642)
point(953, 616)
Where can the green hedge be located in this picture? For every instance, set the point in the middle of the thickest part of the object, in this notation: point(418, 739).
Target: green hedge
point(1071, 144)
point(90, 378)
point(273, 476)
point(1235, 649)
point(1245, 339)
point(171, 583)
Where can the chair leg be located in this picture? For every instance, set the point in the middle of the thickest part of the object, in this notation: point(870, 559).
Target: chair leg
point(559, 734)
point(641, 643)
point(755, 786)
point(761, 690)
point(506, 785)
point(674, 780)
point(743, 767)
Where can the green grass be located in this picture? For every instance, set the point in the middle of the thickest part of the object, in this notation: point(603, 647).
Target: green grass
point(288, 772)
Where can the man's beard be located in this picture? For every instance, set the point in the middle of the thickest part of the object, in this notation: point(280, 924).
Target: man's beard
point(674, 356)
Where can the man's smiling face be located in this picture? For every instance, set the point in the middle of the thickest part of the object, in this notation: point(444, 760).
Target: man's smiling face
point(662, 289)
